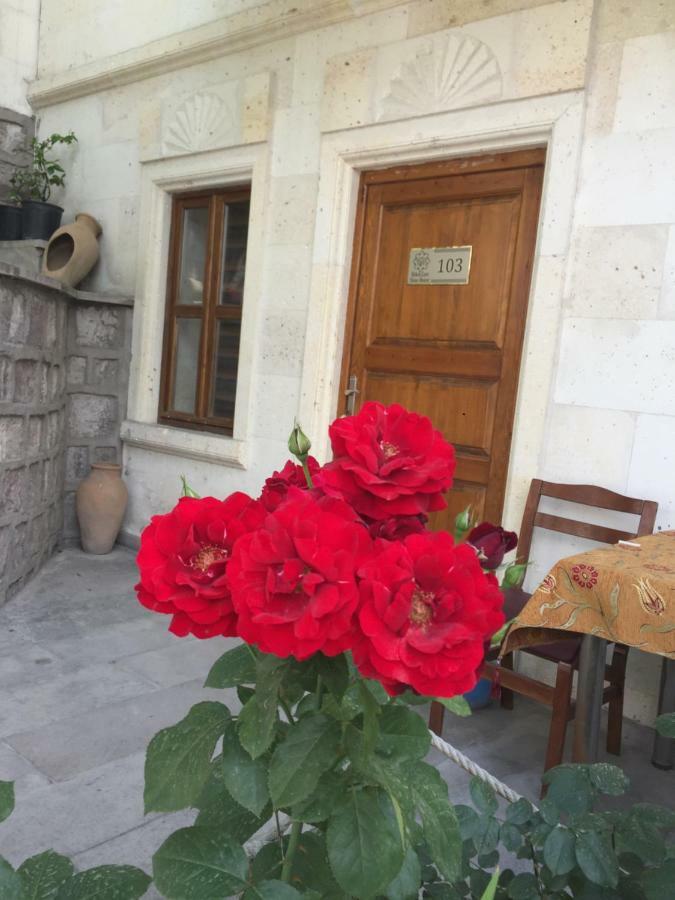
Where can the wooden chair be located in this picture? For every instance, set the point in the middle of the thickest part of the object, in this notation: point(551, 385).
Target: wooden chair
point(565, 654)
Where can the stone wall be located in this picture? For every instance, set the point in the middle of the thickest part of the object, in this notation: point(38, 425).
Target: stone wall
point(63, 381)
point(97, 372)
point(32, 433)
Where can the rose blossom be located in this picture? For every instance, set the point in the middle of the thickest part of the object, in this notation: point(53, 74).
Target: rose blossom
point(293, 580)
point(183, 561)
point(388, 462)
point(427, 609)
point(491, 543)
point(397, 527)
point(276, 486)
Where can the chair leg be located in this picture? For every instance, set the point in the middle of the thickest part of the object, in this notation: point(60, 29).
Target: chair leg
point(615, 706)
point(506, 698)
point(436, 714)
point(562, 700)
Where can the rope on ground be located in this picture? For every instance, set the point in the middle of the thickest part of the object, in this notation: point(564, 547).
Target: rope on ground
point(473, 768)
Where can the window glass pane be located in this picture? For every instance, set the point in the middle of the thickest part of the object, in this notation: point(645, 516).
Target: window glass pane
point(186, 365)
point(193, 255)
point(224, 385)
point(235, 234)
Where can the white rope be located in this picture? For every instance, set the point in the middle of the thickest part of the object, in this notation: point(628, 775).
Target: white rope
point(473, 768)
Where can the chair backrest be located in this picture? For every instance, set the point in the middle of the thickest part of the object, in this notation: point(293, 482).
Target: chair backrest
point(588, 495)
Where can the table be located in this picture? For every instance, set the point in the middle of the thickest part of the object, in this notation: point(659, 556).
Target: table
point(625, 594)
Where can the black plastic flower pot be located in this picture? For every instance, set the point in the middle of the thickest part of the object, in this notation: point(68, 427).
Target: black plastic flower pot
point(10, 223)
point(39, 220)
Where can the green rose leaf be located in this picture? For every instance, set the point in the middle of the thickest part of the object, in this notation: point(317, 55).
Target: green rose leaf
point(364, 842)
point(194, 863)
point(559, 851)
point(441, 828)
point(219, 810)
point(608, 779)
point(258, 718)
point(665, 725)
point(6, 799)
point(322, 801)
point(484, 798)
point(457, 705)
point(334, 671)
point(523, 887)
point(178, 759)
point(105, 883)
point(569, 787)
point(11, 887)
point(245, 778)
point(407, 883)
point(235, 667)
point(272, 890)
point(658, 883)
point(403, 734)
point(596, 859)
point(309, 749)
point(42, 875)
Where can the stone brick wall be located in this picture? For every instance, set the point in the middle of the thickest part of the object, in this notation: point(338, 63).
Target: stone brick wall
point(15, 134)
point(32, 427)
point(63, 380)
point(97, 372)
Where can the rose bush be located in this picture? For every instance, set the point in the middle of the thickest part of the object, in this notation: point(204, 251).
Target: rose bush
point(349, 608)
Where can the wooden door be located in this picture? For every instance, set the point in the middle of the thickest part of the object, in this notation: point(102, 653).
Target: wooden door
point(451, 352)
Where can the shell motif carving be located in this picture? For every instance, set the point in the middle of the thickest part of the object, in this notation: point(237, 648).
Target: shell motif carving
point(455, 71)
point(202, 122)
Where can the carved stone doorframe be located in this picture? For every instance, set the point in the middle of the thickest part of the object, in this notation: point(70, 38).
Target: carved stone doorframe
point(555, 122)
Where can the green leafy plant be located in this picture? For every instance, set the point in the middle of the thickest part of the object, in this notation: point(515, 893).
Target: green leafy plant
point(35, 181)
point(328, 752)
point(51, 876)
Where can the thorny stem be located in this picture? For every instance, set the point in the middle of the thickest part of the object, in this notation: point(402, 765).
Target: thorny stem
point(290, 853)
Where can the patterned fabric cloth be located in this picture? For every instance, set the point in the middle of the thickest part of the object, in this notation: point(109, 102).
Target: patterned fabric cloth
point(621, 593)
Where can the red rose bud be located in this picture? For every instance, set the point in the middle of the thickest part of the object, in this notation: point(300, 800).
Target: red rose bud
point(492, 543)
point(397, 527)
point(275, 489)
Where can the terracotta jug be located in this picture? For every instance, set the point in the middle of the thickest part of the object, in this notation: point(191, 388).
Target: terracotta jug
point(72, 250)
point(100, 502)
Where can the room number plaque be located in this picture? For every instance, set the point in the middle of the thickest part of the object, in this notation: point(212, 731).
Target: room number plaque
point(439, 265)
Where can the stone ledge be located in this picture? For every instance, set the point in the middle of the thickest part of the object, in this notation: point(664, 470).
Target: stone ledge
point(44, 281)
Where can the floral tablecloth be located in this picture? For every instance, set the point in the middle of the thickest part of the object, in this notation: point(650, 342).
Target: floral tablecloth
point(621, 593)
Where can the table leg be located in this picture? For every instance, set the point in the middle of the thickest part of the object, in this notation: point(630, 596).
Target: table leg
point(589, 699)
point(663, 755)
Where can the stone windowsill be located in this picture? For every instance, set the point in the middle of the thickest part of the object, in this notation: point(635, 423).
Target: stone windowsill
point(200, 445)
point(113, 299)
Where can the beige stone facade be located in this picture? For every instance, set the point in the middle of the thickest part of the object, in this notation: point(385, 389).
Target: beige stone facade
point(297, 98)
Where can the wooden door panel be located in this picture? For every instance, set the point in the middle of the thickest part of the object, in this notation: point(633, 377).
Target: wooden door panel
point(472, 312)
point(463, 411)
point(451, 352)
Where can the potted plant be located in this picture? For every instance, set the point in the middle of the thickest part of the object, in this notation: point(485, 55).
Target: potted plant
point(10, 222)
point(31, 186)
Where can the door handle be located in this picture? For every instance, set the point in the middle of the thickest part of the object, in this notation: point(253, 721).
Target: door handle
point(350, 394)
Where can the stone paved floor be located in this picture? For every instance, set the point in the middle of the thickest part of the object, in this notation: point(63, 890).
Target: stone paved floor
point(87, 676)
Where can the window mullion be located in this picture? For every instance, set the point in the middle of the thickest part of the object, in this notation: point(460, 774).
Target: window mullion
point(208, 314)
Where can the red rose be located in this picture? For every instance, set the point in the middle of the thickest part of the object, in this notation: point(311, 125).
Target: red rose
point(183, 560)
point(388, 462)
point(276, 486)
point(491, 543)
point(293, 580)
point(427, 609)
point(397, 527)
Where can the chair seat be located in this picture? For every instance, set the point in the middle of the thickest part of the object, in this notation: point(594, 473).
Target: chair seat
point(558, 651)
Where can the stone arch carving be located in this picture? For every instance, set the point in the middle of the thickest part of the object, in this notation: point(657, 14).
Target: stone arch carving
point(203, 122)
point(447, 72)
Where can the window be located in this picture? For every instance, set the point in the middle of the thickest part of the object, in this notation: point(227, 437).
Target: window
point(207, 259)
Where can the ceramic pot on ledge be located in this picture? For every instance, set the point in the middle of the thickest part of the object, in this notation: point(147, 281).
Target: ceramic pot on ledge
point(72, 250)
point(100, 503)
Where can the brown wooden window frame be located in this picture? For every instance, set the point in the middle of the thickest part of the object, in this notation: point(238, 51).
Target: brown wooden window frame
point(210, 311)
